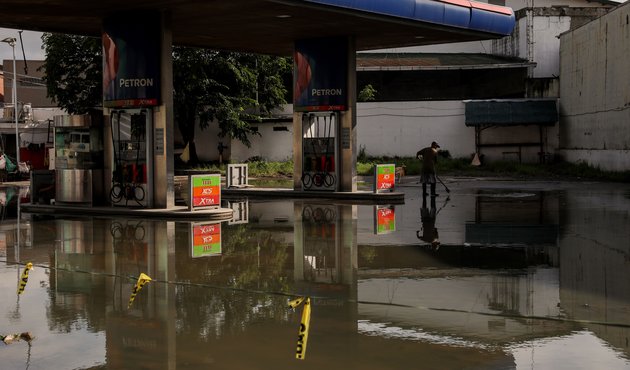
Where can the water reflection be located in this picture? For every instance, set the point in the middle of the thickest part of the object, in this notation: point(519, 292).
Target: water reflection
point(521, 277)
point(429, 233)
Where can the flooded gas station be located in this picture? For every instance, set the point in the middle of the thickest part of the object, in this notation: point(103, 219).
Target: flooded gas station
point(525, 275)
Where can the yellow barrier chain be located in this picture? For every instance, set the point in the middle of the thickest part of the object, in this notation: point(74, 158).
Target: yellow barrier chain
point(24, 278)
point(142, 280)
point(300, 353)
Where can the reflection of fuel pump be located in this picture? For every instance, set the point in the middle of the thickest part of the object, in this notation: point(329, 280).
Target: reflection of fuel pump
point(319, 151)
point(132, 179)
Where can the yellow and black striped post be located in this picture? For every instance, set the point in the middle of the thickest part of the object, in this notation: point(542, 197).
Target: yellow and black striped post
point(24, 278)
point(300, 352)
point(142, 279)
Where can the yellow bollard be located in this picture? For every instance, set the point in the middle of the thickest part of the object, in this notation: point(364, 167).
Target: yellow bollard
point(142, 279)
point(300, 353)
point(24, 278)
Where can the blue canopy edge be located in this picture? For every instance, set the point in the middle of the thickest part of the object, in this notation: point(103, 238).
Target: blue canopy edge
point(471, 15)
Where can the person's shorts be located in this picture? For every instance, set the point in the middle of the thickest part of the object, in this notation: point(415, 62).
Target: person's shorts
point(428, 178)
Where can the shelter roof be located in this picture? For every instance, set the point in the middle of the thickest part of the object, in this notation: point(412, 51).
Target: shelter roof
point(511, 112)
point(272, 26)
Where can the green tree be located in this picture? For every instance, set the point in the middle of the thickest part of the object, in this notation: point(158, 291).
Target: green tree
point(73, 71)
point(231, 89)
point(368, 93)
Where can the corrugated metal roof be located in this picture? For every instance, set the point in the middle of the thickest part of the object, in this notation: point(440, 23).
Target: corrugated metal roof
point(428, 61)
point(511, 112)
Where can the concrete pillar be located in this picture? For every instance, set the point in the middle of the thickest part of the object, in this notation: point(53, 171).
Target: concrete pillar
point(163, 124)
point(144, 53)
point(347, 134)
point(297, 151)
point(346, 129)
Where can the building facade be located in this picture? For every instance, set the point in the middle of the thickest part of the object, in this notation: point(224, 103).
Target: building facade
point(421, 91)
point(595, 93)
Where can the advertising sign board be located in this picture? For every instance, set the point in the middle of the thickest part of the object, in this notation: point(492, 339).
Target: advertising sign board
point(205, 191)
point(131, 60)
point(320, 76)
point(384, 177)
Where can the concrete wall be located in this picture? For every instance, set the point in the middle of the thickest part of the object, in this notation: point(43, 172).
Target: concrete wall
point(389, 129)
point(546, 44)
point(271, 145)
point(521, 4)
point(548, 25)
point(384, 129)
point(487, 46)
point(594, 92)
point(30, 88)
point(403, 128)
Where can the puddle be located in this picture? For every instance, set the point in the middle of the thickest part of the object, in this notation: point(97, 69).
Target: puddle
point(519, 279)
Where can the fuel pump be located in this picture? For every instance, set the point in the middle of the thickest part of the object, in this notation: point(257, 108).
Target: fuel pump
point(319, 151)
point(132, 177)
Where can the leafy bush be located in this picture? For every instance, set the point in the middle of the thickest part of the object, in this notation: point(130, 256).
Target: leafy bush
point(270, 169)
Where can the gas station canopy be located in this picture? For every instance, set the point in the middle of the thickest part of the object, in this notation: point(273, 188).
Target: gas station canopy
point(272, 26)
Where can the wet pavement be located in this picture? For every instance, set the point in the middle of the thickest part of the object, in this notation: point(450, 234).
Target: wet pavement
point(493, 275)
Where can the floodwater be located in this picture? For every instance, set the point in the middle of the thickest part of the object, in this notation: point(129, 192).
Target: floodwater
point(522, 276)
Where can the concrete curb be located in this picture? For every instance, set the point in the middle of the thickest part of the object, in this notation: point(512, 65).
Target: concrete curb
point(177, 213)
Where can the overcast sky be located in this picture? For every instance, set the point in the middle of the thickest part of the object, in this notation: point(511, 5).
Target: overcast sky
point(32, 45)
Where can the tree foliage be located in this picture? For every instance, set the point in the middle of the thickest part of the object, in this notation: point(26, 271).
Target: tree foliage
point(73, 71)
point(368, 93)
point(231, 89)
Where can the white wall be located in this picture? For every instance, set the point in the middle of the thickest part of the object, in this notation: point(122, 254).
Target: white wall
point(403, 128)
point(546, 32)
point(384, 129)
point(547, 44)
point(595, 93)
point(271, 145)
point(394, 129)
point(45, 114)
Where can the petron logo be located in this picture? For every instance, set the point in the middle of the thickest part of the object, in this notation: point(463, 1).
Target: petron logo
point(135, 82)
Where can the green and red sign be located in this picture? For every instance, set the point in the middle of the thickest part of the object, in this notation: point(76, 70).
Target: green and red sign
point(205, 239)
point(205, 191)
point(384, 176)
point(385, 219)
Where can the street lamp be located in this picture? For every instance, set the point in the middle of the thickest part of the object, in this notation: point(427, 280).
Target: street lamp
point(11, 41)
